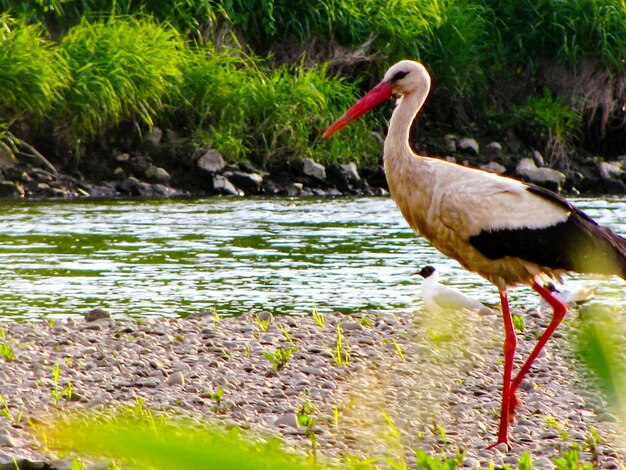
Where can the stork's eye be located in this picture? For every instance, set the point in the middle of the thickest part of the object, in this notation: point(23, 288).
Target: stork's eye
point(399, 76)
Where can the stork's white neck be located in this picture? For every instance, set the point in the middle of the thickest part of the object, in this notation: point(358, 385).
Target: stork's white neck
point(407, 173)
point(398, 135)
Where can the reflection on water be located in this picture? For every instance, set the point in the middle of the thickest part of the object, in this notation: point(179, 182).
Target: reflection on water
point(289, 256)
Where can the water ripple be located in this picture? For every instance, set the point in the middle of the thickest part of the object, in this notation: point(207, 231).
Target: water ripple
point(289, 256)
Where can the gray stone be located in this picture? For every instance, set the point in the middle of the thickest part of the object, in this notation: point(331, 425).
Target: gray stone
point(250, 183)
point(221, 185)
point(538, 158)
point(209, 161)
point(351, 325)
point(314, 170)
point(527, 169)
point(610, 170)
point(176, 378)
point(312, 371)
point(493, 150)
point(97, 314)
point(119, 174)
point(152, 140)
point(139, 165)
point(468, 145)
point(156, 174)
point(265, 315)
point(494, 167)
point(287, 419)
point(351, 171)
point(450, 142)
point(122, 157)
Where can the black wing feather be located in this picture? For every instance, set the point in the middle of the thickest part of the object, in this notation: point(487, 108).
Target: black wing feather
point(577, 244)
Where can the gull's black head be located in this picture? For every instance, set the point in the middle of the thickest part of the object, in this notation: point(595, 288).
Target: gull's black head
point(426, 271)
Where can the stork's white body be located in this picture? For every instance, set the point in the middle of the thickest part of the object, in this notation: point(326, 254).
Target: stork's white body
point(449, 203)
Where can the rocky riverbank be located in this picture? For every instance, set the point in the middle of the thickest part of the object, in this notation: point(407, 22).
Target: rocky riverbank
point(164, 165)
point(437, 379)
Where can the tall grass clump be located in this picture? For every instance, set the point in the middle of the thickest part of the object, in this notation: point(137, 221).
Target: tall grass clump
point(123, 68)
point(238, 105)
point(33, 74)
point(552, 124)
point(577, 49)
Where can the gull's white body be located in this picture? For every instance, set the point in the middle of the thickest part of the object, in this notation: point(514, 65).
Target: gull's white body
point(569, 296)
point(438, 297)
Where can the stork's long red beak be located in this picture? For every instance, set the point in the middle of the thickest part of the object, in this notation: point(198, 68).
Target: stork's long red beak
point(373, 98)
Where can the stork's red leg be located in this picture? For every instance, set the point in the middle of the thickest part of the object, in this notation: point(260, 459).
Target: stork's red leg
point(510, 343)
point(557, 317)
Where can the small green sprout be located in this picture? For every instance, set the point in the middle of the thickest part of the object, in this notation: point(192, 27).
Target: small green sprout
point(518, 323)
point(286, 334)
point(216, 396)
point(65, 392)
point(319, 318)
point(398, 349)
point(5, 409)
point(280, 358)
point(7, 352)
point(262, 323)
point(306, 419)
point(341, 354)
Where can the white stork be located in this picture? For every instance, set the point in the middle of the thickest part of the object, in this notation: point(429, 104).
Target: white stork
point(438, 297)
point(505, 230)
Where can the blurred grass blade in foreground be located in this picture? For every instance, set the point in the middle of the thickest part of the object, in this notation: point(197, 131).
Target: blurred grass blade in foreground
point(602, 347)
point(168, 445)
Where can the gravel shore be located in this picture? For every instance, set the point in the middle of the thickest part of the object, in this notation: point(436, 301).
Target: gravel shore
point(436, 378)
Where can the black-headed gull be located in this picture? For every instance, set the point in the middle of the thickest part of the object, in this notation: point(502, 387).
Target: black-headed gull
point(438, 297)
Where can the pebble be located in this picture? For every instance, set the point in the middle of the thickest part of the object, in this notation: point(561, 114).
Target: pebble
point(288, 419)
point(176, 378)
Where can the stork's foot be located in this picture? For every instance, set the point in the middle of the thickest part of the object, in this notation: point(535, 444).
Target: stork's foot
point(501, 445)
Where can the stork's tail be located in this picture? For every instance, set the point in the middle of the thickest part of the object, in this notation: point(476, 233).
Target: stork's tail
point(614, 251)
point(593, 248)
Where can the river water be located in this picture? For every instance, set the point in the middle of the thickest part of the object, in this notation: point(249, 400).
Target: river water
point(288, 256)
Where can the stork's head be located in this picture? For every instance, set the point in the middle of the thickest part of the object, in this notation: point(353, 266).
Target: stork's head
point(405, 77)
point(408, 76)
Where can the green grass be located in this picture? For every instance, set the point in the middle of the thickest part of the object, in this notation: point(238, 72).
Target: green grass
point(33, 74)
point(260, 79)
point(228, 93)
point(551, 124)
point(601, 347)
point(121, 68)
